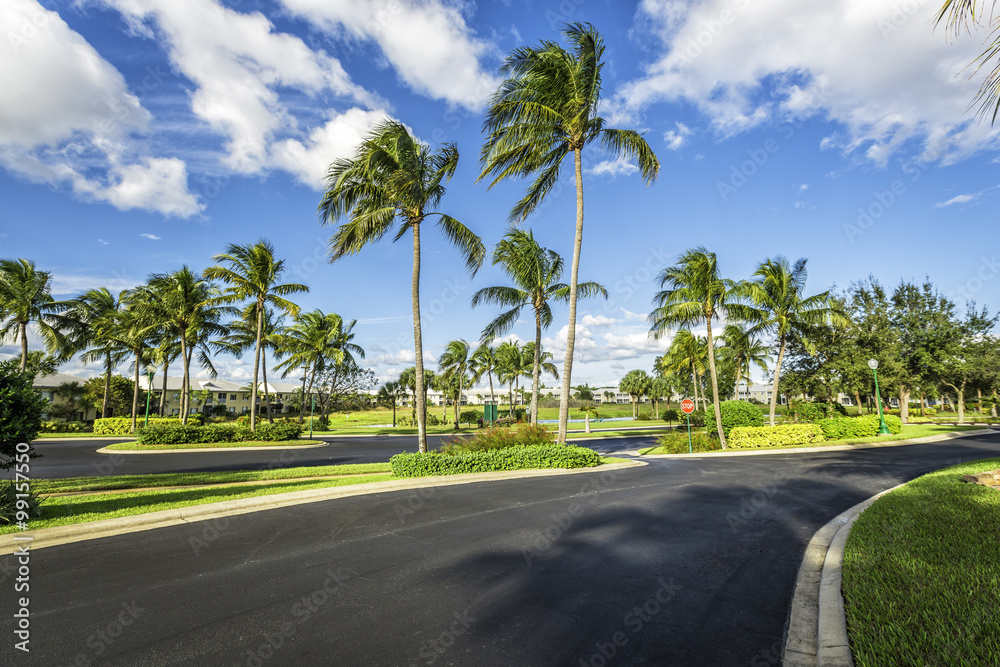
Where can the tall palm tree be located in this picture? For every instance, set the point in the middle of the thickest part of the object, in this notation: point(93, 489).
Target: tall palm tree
point(136, 327)
point(546, 109)
point(392, 178)
point(454, 364)
point(483, 362)
point(958, 14)
point(186, 307)
point(26, 297)
point(242, 336)
point(535, 271)
point(408, 379)
point(251, 273)
point(511, 366)
point(686, 354)
point(743, 350)
point(694, 292)
point(89, 316)
point(781, 308)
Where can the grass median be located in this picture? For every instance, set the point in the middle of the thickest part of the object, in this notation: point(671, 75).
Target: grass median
point(133, 446)
point(922, 573)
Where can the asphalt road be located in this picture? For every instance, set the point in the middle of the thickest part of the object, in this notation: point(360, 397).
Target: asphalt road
point(80, 458)
point(681, 562)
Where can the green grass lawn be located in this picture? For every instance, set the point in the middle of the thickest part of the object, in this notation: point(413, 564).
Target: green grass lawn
point(135, 446)
point(922, 574)
point(909, 432)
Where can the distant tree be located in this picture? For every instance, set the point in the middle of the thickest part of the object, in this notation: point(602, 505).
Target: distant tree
point(454, 365)
point(119, 394)
point(70, 395)
point(636, 384)
point(389, 394)
point(25, 298)
point(21, 409)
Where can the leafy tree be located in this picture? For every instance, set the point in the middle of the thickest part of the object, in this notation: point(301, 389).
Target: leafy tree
point(454, 365)
point(251, 273)
point(21, 409)
point(972, 348)
point(782, 309)
point(686, 354)
point(70, 394)
point(871, 334)
point(119, 395)
point(584, 393)
point(408, 378)
point(546, 109)
point(339, 382)
point(535, 272)
point(391, 179)
point(636, 384)
point(26, 297)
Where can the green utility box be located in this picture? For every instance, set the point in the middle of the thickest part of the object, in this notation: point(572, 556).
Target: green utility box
point(490, 413)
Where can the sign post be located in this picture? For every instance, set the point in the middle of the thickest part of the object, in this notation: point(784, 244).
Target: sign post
point(687, 406)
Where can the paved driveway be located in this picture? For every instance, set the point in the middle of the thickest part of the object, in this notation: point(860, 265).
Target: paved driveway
point(681, 562)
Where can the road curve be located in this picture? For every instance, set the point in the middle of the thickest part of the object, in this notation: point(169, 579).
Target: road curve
point(681, 562)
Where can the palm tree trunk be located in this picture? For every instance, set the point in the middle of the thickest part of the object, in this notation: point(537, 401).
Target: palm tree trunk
point(458, 401)
point(267, 394)
point(418, 344)
point(107, 385)
point(573, 281)
point(777, 372)
point(163, 388)
point(256, 364)
point(23, 326)
point(135, 390)
point(185, 382)
point(694, 384)
point(715, 383)
point(536, 368)
point(302, 410)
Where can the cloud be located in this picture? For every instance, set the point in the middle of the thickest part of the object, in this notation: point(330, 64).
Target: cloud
point(677, 137)
point(886, 79)
point(102, 241)
point(634, 317)
point(429, 43)
point(960, 199)
point(613, 168)
point(597, 320)
point(151, 237)
point(68, 117)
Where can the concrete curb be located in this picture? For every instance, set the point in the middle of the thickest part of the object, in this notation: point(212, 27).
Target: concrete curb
point(50, 537)
point(817, 625)
point(832, 448)
point(267, 448)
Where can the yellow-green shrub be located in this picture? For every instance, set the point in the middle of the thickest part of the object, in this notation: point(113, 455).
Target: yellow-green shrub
point(748, 437)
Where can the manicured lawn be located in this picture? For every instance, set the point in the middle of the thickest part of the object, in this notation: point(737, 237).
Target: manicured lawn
point(922, 574)
point(136, 447)
point(909, 432)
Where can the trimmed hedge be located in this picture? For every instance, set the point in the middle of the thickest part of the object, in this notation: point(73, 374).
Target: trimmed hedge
point(748, 437)
point(676, 442)
point(511, 458)
point(739, 413)
point(865, 426)
point(178, 434)
point(123, 425)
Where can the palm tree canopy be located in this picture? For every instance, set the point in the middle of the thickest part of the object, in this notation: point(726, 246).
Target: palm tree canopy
point(25, 297)
point(392, 178)
point(693, 292)
point(454, 361)
point(250, 272)
point(780, 306)
point(545, 109)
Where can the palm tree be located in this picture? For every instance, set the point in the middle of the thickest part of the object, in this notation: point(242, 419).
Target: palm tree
point(394, 178)
point(544, 110)
point(743, 350)
point(694, 292)
point(136, 327)
point(70, 393)
point(251, 273)
point(483, 362)
point(636, 384)
point(89, 317)
point(538, 360)
point(242, 336)
point(957, 14)
point(534, 270)
point(389, 393)
point(511, 366)
point(781, 309)
point(686, 354)
point(454, 364)
point(408, 379)
point(26, 297)
point(659, 387)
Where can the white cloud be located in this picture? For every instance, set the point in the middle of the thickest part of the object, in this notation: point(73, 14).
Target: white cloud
point(151, 237)
point(428, 43)
point(597, 320)
point(102, 241)
point(887, 77)
point(677, 137)
point(634, 317)
point(613, 168)
point(68, 117)
point(960, 199)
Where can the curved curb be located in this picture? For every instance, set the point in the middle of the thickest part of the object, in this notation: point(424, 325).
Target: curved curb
point(265, 448)
point(832, 448)
point(79, 532)
point(816, 634)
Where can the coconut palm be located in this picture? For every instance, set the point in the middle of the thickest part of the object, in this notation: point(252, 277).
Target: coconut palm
point(88, 317)
point(686, 354)
point(251, 273)
point(136, 327)
point(535, 272)
point(242, 336)
point(781, 309)
point(454, 364)
point(539, 361)
point(511, 366)
point(26, 297)
point(483, 362)
point(70, 393)
point(392, 178)
point(659, 387)
point(546, 109)
point(408, 378)
point(957, 15)
point(389, 394)
point(743, 350)
point(694, 292)
point(636, 384)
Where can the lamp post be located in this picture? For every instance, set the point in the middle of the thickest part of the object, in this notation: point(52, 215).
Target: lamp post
point(149, 374)
point(882, 428)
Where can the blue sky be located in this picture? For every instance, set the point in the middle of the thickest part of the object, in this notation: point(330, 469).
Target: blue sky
point(140, 135)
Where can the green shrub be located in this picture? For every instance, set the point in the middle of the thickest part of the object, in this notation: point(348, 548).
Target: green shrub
point(178, 434)
point(670, 416)
point(508, 458)
point(930, 412)
point(522, 435)
point(739, 413)
point(62, 427)
point(21, 410)
point(123, 425)
point(279, 430)
point(676, 442)
point(8, 502)
point(865, 426)
point(747, 437)
point(469, 417)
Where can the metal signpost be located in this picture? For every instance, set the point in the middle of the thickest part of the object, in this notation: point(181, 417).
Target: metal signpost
point(149, 393)
point(687, 406)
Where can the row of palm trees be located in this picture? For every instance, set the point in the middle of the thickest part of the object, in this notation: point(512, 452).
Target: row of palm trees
point(771, 303)
point(181, 316)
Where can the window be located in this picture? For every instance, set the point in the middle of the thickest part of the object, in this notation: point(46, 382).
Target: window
point(222, 397)
point(232, 409)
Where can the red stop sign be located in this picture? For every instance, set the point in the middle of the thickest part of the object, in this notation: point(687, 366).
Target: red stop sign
point(687, 405)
